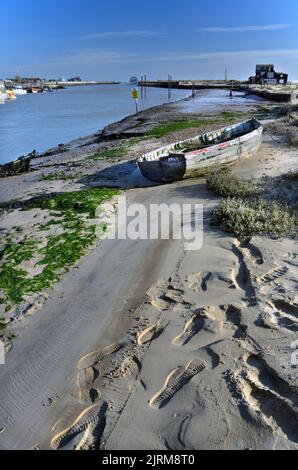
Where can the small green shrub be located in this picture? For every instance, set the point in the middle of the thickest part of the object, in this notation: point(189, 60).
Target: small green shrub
point(258, 217)
point(226, 185)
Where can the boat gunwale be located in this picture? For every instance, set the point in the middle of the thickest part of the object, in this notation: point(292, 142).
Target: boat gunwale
point(207, 150)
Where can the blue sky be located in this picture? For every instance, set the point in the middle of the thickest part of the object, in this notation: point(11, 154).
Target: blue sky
point(113, 39)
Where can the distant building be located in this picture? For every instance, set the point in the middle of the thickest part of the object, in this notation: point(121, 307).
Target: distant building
point(74, 79)
point(265, 74)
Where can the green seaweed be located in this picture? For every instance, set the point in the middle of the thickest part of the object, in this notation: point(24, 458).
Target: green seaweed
point(226, 117)
point(59, 176)
point(114, 153)
point(60, 252)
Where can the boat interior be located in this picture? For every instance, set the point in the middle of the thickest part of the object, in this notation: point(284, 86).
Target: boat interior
point(215, 138)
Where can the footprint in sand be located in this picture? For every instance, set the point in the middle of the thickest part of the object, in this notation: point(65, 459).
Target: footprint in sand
point(85, 380)
point(162, 298)
point(194, 281)
point(175, 382)
point(95, 357)
point(150, 333)
point(119, 389)
point(192, 327)
point(209, 318)
point(90, 417)
point(269, 396)
point(283, 314)
point(273, 275)
point(251, 252)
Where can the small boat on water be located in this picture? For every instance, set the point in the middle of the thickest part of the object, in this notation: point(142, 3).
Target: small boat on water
point(19, 91)
point(195, 157)
point(36, 90)
point(3, 94)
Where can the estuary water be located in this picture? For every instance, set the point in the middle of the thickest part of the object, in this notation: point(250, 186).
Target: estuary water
point(44, 120)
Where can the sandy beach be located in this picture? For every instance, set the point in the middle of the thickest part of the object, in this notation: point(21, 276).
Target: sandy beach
point(141, 344)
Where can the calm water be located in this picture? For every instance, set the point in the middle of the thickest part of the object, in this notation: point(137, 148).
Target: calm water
point(47, 119)
point(40, 121)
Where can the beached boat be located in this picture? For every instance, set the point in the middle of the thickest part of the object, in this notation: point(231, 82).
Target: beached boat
point(196, 156)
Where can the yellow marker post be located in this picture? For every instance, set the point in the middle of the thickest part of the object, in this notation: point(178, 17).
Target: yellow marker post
point(135, 96)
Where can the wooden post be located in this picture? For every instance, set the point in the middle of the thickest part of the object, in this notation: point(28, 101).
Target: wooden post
point(135, 96)
point(193, 89)
point(145, 76)
point(169, 87)
point(232, 89)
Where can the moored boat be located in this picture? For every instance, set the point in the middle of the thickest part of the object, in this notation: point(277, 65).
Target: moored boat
point(19, 91)
point(3, 94)
point(195, 157)
point(36, 90)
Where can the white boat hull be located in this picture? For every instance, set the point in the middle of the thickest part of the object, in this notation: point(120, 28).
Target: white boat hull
point(169, 164)
point(20, 92)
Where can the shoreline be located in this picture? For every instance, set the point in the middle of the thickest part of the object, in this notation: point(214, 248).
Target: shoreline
point(159, 108)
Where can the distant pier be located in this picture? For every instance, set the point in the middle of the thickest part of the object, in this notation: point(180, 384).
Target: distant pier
point(287, 96)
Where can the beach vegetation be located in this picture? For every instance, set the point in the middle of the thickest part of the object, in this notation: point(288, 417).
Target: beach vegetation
point(113, 153)
point(61, 175)
point(227, 185)
point(174, 126)
point(57, 252)
point(254, 207)
point(247, 218)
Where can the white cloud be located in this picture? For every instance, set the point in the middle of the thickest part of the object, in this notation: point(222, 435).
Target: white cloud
point(243, 29)
point(123, 34)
